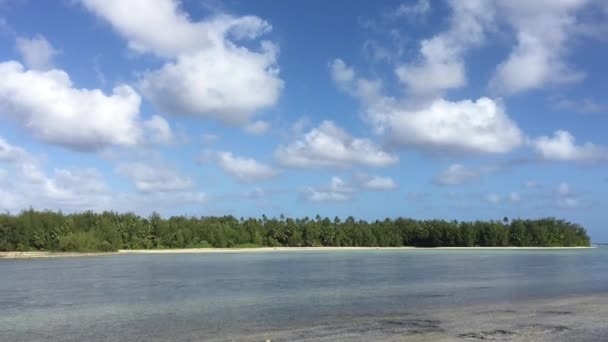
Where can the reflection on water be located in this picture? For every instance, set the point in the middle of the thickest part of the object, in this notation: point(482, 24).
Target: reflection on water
point(140, 296)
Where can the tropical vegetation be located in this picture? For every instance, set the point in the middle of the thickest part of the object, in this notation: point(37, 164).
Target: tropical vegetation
point(110, 231)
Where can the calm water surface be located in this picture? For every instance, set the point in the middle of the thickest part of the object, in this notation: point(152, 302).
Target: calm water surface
point(138, 297)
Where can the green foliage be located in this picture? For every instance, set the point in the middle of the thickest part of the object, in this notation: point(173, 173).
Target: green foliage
point(108, 231)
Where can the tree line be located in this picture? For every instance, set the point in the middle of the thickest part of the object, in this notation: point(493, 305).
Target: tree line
point(110, 231)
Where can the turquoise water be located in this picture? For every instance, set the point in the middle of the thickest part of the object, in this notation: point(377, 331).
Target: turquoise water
point(141, 297)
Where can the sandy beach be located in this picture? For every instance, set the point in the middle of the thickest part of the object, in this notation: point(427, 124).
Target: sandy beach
point(36, 255)
point(321, 249)
point(39, 254)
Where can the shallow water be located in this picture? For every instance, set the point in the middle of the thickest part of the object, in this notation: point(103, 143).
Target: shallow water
point(202, 296)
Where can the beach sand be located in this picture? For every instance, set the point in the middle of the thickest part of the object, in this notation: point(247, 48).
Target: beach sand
point(40, 254)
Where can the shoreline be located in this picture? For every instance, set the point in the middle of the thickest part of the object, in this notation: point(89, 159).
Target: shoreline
point(320, 249)
point(42, 254)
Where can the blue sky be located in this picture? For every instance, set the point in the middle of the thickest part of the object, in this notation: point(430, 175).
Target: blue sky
point(428, 109)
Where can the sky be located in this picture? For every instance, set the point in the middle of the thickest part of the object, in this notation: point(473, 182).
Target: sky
point(465, 110)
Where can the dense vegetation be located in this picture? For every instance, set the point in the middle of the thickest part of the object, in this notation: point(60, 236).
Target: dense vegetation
point(108, 231)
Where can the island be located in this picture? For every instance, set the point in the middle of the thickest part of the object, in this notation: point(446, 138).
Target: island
point(91, 232)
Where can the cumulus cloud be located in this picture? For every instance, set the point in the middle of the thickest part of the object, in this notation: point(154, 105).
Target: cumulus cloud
point(24, 183)
point(543, 30)
point(457, 174)
point(245, 170)
point(342, 74)
point(376, 183)
point(48, 105)
point(11, 153)
point(467, 126)
point(341, 190)
point(216, 84)
point(159, 130)
point(207, 73)
point(331, 146)
point(154, 178)
point(562, 147)
point(346, 79)
point(481, 126)
point(37, 52)
point(337, 190)
point(441, 65)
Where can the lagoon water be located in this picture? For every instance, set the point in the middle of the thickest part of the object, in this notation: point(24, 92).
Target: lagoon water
point(239, 296)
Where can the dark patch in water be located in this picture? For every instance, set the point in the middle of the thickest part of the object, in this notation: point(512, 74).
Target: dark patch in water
point(481, 287)
point(489, 335)
point(436, 295)
point(547, 328)
point(499, 311)
point(557, 312)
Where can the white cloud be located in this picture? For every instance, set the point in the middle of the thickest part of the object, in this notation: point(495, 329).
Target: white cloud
point(566, 198)
point(159, 130)
point(341, 190)
point(258, 127)
point(37, 52)
point(466, 126)
point(543, 29)
point(585, 105)
point(441, 64)
point(345, 78)
point(376, 52)
point(531, 184)
point(330, 146)
point(47, 104)
point(166, 30)
point(338, 190)
point(342, 74)
point(563, 189)
point(245, 170)
point(376, 183)
point(255, 193)
point(419, 8)
point(10, 153)
point(562, 147)
point(568, 202)
point(154, 178)
point(217, 84)
point(457, 174)
point(514, 197)
point(25, 184)
point(207, 73)
point(313, 195)
point(493, 198)
point(430, 78)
